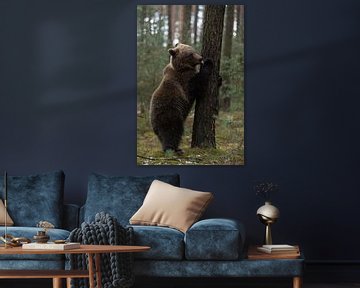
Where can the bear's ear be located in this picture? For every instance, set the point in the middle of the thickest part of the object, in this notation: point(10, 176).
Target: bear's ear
point(172, 52)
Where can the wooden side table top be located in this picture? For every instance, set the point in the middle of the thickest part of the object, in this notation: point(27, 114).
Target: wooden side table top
point(254, 254)
point(88, 249)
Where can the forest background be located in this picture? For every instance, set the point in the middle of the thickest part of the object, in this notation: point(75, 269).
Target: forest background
point(160, 27)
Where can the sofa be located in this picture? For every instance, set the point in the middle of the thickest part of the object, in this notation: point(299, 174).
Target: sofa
point(209, 248)
point(32, 199)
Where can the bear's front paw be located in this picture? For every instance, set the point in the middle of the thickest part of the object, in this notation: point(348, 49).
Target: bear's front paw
point(208, 64)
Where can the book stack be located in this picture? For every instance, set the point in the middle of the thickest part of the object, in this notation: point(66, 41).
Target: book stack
point(279, 249)
point(51, 246)
point(282, 251)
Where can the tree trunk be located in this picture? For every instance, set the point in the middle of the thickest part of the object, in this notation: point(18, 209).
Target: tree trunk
point(206, 108)
point(170, 28)
point(201, 27)
point(196, 18)
point(228, 31)
point(240, 22)
point(186, 25)
point(225, 102)
point(175, 22)
point(142, 23)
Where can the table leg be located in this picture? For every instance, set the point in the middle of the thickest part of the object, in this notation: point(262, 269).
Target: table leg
point(57, 283)
point(297, 282)
point(98, 270)
point(68, 282)
point(91, 270)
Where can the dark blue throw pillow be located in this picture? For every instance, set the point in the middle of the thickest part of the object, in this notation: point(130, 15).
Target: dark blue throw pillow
point(120, 196)
point(35, 198)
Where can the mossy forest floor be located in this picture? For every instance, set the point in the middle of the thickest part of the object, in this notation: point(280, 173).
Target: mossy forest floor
point(229, 143)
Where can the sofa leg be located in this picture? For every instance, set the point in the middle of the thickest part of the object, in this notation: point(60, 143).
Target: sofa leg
point(57, 283)
point(297, 282)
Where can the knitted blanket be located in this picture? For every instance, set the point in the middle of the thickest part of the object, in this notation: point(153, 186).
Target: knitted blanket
point(116, 268)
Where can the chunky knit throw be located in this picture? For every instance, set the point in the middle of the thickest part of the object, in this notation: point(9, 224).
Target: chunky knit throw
point(116, 268)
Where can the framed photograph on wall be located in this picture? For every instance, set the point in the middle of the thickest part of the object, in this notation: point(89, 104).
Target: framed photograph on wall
point(190, 84)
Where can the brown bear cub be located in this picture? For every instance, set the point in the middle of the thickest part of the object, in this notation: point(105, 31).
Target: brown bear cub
point(171, 102)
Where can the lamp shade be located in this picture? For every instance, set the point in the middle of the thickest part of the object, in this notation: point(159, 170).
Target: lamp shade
point(268, 211)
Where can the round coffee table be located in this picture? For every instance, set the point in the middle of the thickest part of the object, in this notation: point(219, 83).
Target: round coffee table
point(92, 251)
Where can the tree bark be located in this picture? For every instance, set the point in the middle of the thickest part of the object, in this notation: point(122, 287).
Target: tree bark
point(225, 102)
point(240, 22)
point(229, 29)
point(186, 25)
point(142, 23)
point(176, 29)
point(170, 28)
point(196, 18)
point(206, 108)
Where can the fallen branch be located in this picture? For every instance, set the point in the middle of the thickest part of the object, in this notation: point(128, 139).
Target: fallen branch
point(182, 160)
point(159, 159)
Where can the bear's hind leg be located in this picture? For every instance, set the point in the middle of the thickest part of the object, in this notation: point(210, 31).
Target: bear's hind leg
point(170, 136)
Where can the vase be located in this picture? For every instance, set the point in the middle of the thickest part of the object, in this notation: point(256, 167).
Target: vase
point(268, 214)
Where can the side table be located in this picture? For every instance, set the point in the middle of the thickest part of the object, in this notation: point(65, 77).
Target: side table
point(288, 259)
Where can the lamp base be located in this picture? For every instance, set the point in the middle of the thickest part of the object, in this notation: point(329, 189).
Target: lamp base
point(268, 237)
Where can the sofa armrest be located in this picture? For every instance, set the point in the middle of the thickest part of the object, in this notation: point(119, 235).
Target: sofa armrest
point(71, 216)
point(215, 239)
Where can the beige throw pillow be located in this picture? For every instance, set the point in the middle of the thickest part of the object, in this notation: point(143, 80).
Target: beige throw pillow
point(9, 221)
point(170, 206)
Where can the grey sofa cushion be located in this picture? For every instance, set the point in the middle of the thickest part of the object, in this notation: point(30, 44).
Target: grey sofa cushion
point(29, 232)
point(119, 196)
point(35, 198)
point(214, 239)
point(166, 243)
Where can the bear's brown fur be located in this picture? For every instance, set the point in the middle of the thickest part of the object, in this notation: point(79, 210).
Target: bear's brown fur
point(171, 101)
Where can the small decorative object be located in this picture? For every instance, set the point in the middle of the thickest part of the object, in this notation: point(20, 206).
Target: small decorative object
point(46, 225)
point(268, 213)
point(11, 241)
point(41, 236)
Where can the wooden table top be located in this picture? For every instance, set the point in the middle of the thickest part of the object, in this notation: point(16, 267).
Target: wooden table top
point(92, 249)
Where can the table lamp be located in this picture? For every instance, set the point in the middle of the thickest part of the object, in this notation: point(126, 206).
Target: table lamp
point(268, 214)
point(8, 239)
point(5, 205)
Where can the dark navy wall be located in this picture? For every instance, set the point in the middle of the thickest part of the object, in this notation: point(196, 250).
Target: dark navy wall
point(68, 101)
